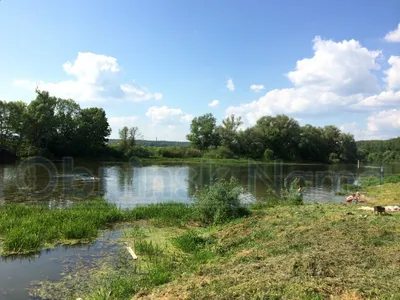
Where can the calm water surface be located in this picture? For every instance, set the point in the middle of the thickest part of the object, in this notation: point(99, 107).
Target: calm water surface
point(129, 185)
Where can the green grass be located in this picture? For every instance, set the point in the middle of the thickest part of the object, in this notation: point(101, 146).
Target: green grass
point(387, 194)
point(372, 181)
point(291, 252)
point(29, 228)
point(196, 160)
point(311, 251)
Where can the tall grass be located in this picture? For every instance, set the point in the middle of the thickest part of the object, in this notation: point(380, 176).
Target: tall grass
point(28, 228)
point(375, 180)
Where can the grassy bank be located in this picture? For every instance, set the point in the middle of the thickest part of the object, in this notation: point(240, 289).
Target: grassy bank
point(197, 160)
point(29, 228)
point(280, 251)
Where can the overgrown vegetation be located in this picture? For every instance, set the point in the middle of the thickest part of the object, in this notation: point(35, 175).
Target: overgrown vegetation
point(28, 228)
point(219, 202)
point(376, 151)
point(310, 251)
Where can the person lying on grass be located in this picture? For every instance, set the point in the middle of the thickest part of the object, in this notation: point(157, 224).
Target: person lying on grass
point(354, 197)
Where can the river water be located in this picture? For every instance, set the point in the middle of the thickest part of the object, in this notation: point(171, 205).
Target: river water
point(130, 184)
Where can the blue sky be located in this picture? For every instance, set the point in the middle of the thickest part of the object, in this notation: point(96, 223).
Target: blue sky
point(321, 62)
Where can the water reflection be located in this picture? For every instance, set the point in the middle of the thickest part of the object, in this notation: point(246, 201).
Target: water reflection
point(127, 185)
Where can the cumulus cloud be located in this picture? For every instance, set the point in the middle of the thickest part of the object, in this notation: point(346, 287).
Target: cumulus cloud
point(116, 123)
point(257, 87)
point(385, 121)
point(343, 68)
point(394, 35)
point(385, 98)
point(95, 80)
point(166, 115)
point(339, 76)
point(229, 85)
point(393, 73)
point(381, 125)
point(213, 103)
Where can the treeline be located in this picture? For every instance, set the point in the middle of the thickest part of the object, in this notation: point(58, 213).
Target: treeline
point(377, 151)
point(56, 127)
point(52, 127)
point(153, 143)
point(279, 137)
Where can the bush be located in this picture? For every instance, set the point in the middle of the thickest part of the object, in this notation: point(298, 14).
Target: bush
point(139, 151)
point(192, 152)
point(287, 196)
point(268, 155)
point(290, 194)
point(219, 202)
point(220, 152)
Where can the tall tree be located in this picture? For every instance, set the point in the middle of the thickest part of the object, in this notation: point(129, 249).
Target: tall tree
point(203, 133)
point(228, 132)
point(93, 130)
point(41, 120)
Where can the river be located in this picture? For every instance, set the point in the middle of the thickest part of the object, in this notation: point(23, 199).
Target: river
point(130, 184)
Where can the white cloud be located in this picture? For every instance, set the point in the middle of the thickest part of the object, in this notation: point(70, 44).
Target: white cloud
point(116, 123)
point(386, 98)
point(382, 125)
point(229, 85)
point(343, 68)
point(385, 121)
point(394, 35)
point(96, 79)
point(166, 115)
point(213, 103)
point(336, 78)
point(393, 73)
point(257, 87)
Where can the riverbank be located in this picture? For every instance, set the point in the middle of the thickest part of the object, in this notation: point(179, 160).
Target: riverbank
point(165, 160)
point(312, 251)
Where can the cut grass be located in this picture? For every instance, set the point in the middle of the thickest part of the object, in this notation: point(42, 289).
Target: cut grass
point(305, 252)
point(387, 194)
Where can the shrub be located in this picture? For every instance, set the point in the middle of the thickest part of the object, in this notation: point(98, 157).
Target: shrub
point(290, 194)
point(219, 202)
point(139, 151)
point(220, 152)
point(268, 155)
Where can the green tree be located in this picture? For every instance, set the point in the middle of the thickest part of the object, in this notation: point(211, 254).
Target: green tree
point(93, 130)
point(281, 134)
point(228, 132)
point(41, 120)
point(203, 133)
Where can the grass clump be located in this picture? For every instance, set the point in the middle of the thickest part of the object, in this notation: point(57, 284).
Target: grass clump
point(191, 241)
point(219, 203)
point(164, 214)
point(29, 228)
point(25, 229)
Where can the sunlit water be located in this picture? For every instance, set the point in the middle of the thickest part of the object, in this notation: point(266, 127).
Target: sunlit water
point(129, 185)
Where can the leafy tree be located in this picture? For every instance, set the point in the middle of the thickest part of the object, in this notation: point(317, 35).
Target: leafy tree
point(41, 120)
point(203, 132)
point(228, 132)
point(93, 129)
point(281, 134)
